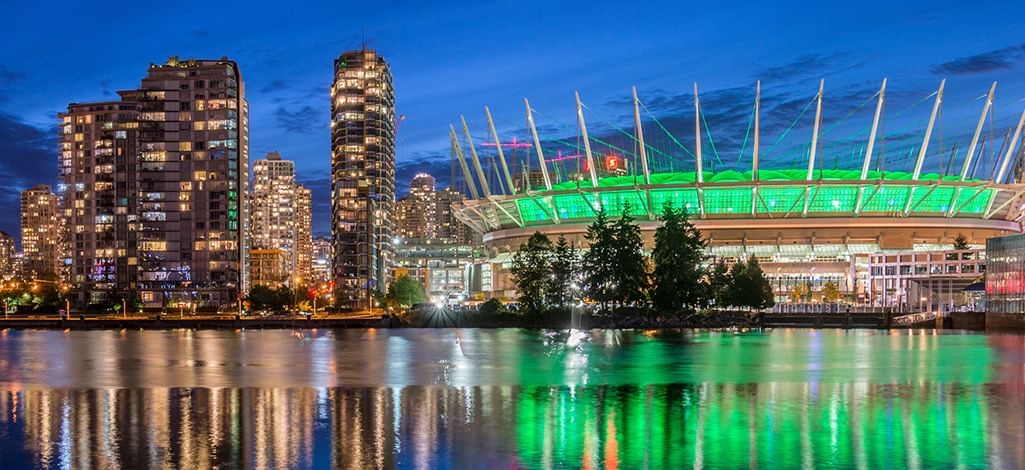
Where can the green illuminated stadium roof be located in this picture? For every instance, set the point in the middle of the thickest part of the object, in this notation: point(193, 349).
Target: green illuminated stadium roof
point(731, 176)
point(827, 199)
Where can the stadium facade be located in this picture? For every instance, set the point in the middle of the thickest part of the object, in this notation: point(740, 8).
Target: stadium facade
point(806, 225)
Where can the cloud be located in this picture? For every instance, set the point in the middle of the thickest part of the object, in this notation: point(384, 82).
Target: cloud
point(28, 157)
point(812, 64)
point(275, 86)
point(302, 120)
point(997, 59)
point(8, 76)
point(106, 87)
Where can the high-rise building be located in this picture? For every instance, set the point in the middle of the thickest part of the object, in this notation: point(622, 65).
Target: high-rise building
point(274, 208)
point(41, 231)
point(100, 199)
point(416, 213)
point(449, 228)
point(154, 188)
point(7, 255)
point(304, 235)
point(362, 175)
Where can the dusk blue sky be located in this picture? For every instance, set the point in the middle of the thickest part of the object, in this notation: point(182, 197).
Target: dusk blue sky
point(451, 59)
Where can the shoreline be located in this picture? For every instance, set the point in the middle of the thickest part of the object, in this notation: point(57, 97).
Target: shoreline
point(233, 322)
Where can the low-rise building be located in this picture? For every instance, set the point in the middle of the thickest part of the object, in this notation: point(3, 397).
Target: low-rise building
point(269, 267)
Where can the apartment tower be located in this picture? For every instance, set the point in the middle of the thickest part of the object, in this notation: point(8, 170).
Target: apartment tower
point(362, 176)
point(154, 189)
point(41, 232)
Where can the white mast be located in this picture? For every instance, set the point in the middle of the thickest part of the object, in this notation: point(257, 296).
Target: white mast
point(537, 146)
point(462, 162)
point(925, 145)
point(814, 147)
point(871, 145)
point(978, 131)
point(476, 161)
point(697, 147)
point(754, 158)
point(501, 154)
point(928, 132)
point(587, 142)
point(1011, 146)
point(640, 138)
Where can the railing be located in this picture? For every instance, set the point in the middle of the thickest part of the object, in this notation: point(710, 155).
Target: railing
point(914, 318)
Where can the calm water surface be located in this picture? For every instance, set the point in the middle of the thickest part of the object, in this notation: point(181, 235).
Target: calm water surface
point(510, 399)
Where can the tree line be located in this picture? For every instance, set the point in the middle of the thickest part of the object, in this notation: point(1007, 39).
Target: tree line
point(614, 272)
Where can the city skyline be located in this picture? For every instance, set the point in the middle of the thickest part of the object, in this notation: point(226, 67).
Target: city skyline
point(850, 49)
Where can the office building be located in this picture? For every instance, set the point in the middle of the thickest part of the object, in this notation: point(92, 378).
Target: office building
point(362, 175)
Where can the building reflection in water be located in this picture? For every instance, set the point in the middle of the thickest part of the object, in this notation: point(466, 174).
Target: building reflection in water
point(880, 426)
point(482, 398)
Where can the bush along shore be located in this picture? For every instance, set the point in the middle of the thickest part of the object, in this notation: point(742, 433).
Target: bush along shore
point(493, 314)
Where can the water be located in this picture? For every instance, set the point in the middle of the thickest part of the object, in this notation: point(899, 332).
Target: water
point(510, 398)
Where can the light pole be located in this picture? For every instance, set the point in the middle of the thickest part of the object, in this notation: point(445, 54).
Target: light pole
point(124, 308)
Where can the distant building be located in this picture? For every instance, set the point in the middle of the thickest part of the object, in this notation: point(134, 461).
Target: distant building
point(7, 255)
point(154, 188)
point(417, 212)
point(304, 234)
point(280, 214)
point(362, 175)
point(321, 260)
point(41, 231)
point(449, 228)
point(269, 267)
point(443, 269)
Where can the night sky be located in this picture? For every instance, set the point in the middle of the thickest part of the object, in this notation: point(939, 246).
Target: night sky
point(452, 59)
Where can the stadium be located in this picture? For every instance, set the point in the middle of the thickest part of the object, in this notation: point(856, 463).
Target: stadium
point(806, 223)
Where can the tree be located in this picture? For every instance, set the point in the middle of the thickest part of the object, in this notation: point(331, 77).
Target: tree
point(565, 271)
point(630, 270)
point(678, 277)
point(830, 292)
point(961, 242)
point(596, 263)
point(758, 289)
point(798, 293)
point(531, 271)
point(261, 298)
point(406, 291)
point(749, 287)
point(720, 282)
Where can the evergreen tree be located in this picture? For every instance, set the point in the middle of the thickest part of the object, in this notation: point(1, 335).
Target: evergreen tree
point(721, 285)
point(565, 267)
point(757, 290)
point(597, 262)
point(630, 269)
point(736, 293)
point(532, 270)
point(961, 242)
point(678, 278)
